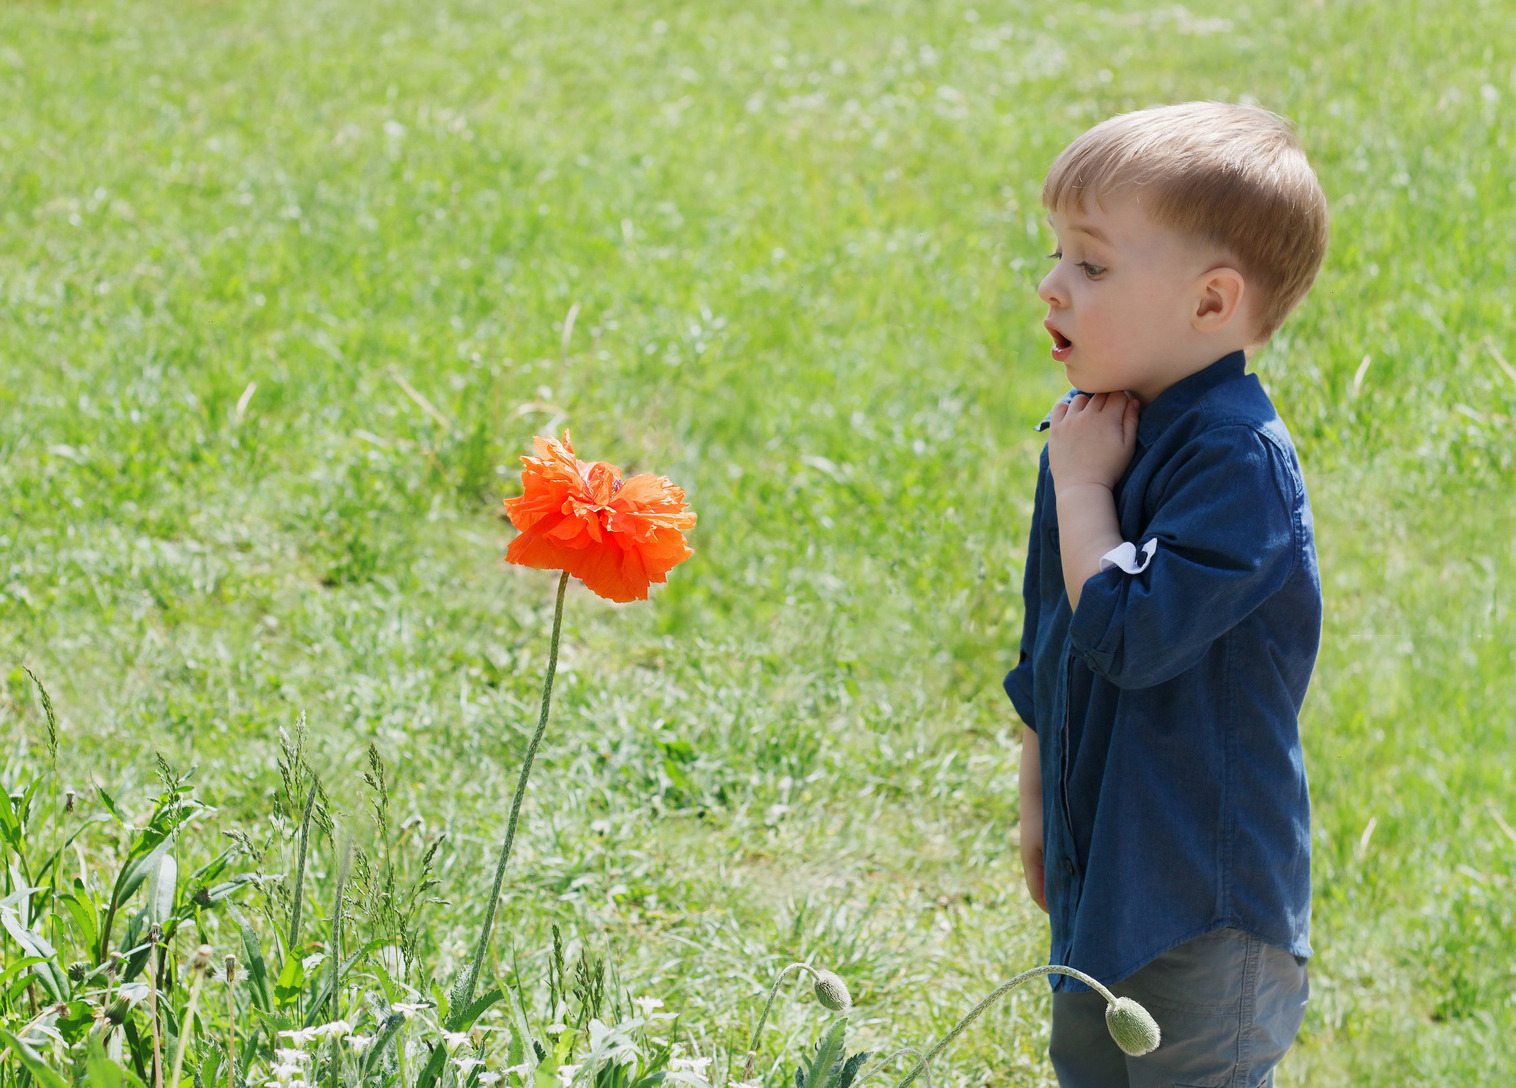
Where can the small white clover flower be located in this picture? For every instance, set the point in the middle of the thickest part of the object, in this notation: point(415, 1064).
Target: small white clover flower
point(556, 1029)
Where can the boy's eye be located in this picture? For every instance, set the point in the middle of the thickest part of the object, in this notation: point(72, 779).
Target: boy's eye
point(1056, 255)
point(1093, 271)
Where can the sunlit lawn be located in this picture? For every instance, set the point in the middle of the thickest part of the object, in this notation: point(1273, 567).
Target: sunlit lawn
point(286, 288)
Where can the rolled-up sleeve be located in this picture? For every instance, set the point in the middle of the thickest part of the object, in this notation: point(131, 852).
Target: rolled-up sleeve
point(1226, 535)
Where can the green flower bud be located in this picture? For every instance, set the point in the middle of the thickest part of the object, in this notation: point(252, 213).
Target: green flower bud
point(1133, 1028)
point(78, 969)
point(831, 991)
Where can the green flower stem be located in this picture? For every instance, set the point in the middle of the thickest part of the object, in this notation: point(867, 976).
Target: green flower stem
point(186, 1027)
point(752, 1048)
point(463, 992)
point(1005, 988)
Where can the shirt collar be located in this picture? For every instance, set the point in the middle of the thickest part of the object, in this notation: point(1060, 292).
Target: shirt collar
point(1172, 402)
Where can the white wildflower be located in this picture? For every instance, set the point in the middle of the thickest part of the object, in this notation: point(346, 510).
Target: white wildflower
point(409, 1008)
point(455, 1039)
point(566, 1074)
point(335, 1028)
point(556, 1029)
point(493, 1078)
point(692, 1065)
point(466, 1065)
point(302, 1037)
point(359, 1043)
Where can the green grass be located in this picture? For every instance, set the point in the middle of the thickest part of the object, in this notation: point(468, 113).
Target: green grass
point(282, 298)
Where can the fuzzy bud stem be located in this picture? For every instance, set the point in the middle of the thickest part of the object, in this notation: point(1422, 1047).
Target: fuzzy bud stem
point(1128, 1022)
point(831, 991)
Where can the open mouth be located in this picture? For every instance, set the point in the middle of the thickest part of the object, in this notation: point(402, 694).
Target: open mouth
point(1061, 344)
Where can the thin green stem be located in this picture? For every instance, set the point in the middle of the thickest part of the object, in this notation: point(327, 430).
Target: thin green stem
point(1005, 988)
point(186, 1028)
point(463, 992)
point(752, 1047)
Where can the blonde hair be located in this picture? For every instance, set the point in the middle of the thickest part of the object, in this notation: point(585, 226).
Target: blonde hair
point(1233, 176)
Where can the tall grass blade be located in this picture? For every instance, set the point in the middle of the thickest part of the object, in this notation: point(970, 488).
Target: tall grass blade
point(299, 890)
point(31, 1061)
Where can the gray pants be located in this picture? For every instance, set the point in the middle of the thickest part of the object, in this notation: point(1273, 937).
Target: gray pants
point(1228, 1007)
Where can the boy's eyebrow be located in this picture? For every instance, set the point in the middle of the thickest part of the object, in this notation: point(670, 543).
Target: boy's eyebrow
point(1086, 228)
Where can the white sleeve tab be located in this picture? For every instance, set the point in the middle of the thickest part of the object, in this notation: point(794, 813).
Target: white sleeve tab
point(1125, 557)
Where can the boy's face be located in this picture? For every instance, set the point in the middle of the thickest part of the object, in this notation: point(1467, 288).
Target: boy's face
point(1122, 298)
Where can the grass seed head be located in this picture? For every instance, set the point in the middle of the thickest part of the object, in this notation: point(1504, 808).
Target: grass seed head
point(1133, 1028)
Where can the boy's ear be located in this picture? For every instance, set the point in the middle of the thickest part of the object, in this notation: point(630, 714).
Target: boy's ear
point(1219, 298)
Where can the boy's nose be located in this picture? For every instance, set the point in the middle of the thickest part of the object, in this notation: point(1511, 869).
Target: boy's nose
point(1048, 290)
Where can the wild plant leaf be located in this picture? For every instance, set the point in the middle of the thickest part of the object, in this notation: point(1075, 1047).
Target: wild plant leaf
point(101, 1071)
point(828, 1054)
point(111, 807)
point(433, 1068)
point(850, 1068)
point(210, 1068)
point(523, 1037)
point(219, 892)
point(150, 846)
point(10, 826)
point(257, 969)
point(382, 1039)
point(81, 907)
point(162, 883)
point(41, 1072)
point(323, 995)
point(19, 965)
point(478, 1007)
point(52, 977)
point(75, 1021)
point(291, 981)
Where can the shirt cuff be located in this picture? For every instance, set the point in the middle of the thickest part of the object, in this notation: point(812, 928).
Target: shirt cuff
point(1125, 557)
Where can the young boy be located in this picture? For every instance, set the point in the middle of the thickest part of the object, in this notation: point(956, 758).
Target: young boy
point(1173, 608)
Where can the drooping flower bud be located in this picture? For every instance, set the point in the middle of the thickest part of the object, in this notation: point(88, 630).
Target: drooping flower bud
point(831, 991)
point(231, 968)
point(1132, 1026)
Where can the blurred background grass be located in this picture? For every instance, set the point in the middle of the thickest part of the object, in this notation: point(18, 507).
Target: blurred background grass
point(287, 288)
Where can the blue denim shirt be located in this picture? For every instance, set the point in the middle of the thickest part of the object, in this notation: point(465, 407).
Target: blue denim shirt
point(1174, 793)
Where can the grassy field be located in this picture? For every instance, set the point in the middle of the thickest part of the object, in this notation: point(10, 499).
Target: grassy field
point(286, 288)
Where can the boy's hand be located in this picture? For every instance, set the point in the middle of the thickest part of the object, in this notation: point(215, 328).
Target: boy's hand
point(1091, 439)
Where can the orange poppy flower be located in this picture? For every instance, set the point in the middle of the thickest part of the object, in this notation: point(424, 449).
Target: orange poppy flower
point(616, 536)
